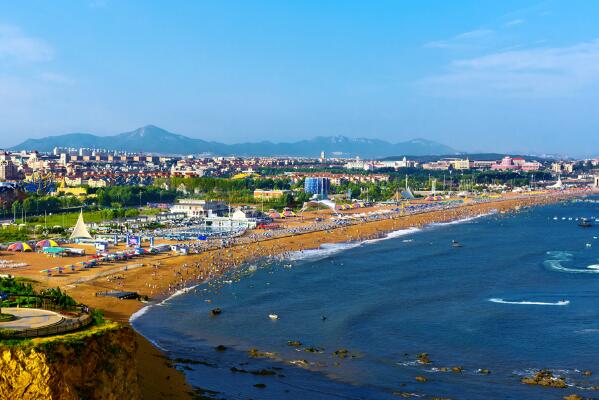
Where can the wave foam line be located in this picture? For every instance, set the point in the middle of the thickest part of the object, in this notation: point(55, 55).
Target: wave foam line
point(530, 303)
point(178, 293)
point(462, 220)
point(139, 313)
point(328, 249)
point(145, 309)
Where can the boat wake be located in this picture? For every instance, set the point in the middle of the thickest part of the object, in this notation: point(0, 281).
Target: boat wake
point(530, 303)
point(559, 257)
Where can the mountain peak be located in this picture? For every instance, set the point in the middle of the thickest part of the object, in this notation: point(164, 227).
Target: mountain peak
point(153, 139)
point(148, 131)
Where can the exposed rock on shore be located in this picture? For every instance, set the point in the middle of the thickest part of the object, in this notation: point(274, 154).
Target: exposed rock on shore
point(545, 377)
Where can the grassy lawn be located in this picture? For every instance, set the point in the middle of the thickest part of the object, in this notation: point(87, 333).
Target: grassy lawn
point(7, 317)
point(66, 220)
point(150, 211)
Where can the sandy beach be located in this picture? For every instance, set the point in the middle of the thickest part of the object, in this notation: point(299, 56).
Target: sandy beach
point(159, 276)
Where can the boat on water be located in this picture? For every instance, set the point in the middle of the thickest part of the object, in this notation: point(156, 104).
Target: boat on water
point(455, 243)
point(585, 223)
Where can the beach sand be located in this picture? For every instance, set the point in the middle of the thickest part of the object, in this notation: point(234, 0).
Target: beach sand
point(160, 275)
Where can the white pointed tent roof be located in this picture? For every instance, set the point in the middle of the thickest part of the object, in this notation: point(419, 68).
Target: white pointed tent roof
point(80, 230)
point(557, 185)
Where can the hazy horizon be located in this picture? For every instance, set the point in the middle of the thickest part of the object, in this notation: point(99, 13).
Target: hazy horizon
point(517, 77)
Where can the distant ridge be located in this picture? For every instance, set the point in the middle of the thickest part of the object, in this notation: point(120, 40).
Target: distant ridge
point(152, 139)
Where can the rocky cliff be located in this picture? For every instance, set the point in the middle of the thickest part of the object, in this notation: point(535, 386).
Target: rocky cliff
point(94, 364)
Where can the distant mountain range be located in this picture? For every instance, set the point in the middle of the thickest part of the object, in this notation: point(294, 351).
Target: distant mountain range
point(152, 139)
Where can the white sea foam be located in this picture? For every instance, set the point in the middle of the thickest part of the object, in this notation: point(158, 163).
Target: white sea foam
point(176, 294)
point(530, 303)
point(462, 220)
point(145, 309)
point(328, 249)
point(556, 259)
point(394, 234)
point(587, 330)
point(139, 313)
point(325, 250)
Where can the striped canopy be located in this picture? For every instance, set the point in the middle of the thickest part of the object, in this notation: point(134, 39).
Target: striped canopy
point(46, 243)
point(19, 246)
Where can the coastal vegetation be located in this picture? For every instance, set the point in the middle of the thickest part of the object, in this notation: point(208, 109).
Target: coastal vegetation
point(19, 292)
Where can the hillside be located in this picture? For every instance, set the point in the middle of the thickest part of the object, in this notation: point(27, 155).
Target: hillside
point(152, 139)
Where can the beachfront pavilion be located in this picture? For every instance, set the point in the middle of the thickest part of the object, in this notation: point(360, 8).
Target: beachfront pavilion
point(80, 230)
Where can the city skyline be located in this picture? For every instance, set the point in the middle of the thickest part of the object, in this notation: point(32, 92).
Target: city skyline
point(515, 77)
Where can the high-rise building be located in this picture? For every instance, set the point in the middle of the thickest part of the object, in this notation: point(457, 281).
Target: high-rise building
point(317, 186)
point(8, 170)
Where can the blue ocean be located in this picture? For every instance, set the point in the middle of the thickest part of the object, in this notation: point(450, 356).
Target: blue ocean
point(516, 293)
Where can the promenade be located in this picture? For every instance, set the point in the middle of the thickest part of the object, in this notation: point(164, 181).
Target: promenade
point(30, 318)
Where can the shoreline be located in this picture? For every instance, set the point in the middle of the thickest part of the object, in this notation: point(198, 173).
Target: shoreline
point(167, 276)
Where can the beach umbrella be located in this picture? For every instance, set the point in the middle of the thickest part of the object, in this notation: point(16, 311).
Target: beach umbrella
point(47, 271)
point(19, 246)
point(72, 267)
point(46, 243)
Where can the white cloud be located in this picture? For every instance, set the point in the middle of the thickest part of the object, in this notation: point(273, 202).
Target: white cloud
point(16, 46)
point(514, 22)
point(541, 71)
point(463, 40)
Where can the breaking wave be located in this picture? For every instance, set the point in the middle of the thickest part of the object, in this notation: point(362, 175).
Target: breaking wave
point(329, 249)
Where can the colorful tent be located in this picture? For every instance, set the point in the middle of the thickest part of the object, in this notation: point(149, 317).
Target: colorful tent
point(19, 246)
point(54, 250)
point(46, 243)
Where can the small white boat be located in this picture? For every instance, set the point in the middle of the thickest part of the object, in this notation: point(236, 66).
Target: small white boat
point(273, 316)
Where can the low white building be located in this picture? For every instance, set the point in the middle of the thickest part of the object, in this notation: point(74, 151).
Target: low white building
point(247, 213)
point(194, 208)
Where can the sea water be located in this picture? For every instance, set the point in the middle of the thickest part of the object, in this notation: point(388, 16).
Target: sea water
point(521, 294)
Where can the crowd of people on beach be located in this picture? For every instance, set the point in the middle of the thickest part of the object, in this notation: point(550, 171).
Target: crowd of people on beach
point(220, 256)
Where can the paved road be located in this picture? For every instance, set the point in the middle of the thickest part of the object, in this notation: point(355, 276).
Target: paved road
point(29, 318)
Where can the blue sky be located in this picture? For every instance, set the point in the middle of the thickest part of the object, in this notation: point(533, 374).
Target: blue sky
point(478, 76)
